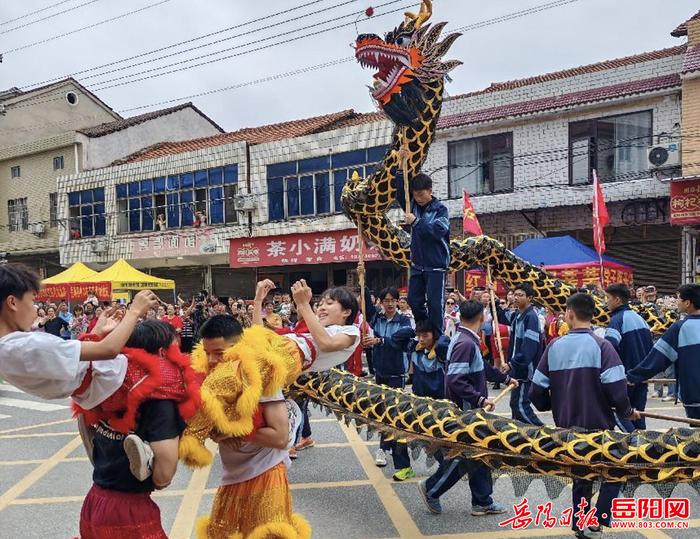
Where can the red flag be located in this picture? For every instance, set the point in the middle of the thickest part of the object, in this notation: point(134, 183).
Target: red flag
point(469, 221)
point(600, 216)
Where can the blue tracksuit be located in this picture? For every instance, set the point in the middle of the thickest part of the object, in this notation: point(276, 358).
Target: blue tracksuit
point(430, 258)
point(428, 374)
point(390, 367)
point(581, 379)
point(465, 385)
point(631, 337)
point(524, 351)
point(679, 346)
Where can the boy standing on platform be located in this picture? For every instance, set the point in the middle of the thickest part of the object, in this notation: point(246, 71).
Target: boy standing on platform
point(430, 253)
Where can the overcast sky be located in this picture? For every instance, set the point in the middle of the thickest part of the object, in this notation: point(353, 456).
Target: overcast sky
point(581, 32)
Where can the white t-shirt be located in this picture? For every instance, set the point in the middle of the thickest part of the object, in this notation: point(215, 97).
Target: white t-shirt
point(327, 360)
point(250, 460)
point(49, 367)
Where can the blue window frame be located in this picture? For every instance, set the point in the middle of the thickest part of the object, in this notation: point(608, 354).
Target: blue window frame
point(86, 210)
point(176, 197)
point(313, 186)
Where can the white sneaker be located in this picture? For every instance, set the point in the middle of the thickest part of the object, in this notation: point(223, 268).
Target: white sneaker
point(380, 458)
point(140, 457)
point(668, 398)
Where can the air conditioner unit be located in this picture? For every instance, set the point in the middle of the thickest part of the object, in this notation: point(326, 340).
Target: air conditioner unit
point(245, 202)
point(664, 155)
point(37, 229)
point(98, 247)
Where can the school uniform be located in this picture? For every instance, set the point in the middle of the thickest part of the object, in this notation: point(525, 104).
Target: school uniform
point(430, 258)
point(582, 379)
point(680, 347)
point(631, 337)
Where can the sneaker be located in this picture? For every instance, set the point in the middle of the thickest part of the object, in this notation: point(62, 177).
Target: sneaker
point(304, 443)
point(293, 453)
point(433, 504)
point(380, 458)
point(668, 398)
point(140, 457)
point(590, 533)
point(403, 474)
point(493, 509)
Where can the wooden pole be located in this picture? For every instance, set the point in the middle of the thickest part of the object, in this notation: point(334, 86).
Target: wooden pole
point(503, 393)
point(494, 315)
point(361, 275)
point(692, 422)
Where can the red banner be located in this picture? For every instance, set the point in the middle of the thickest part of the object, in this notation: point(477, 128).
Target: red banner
point(579, 276)
point(75, 291)
point(293, 249)
point(685, 202)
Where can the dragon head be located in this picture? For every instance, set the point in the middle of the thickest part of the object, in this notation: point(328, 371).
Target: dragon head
point(409, 58)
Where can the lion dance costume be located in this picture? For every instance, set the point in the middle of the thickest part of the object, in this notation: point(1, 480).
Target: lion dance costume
point(259, 365)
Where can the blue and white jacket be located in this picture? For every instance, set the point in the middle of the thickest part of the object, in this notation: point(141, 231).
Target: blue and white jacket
point(467, 372)
point(679, 346)
point(581, 379)
point(630, 335)
point(526, 341)
point(428, 374)
point(389, 359)
point(430, 237)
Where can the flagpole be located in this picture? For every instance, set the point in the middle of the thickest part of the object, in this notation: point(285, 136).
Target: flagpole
point(596, 227)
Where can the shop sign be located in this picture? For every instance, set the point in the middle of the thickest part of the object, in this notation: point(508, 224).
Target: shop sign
point(296, 249)
point(173, 243)
point(685, 202)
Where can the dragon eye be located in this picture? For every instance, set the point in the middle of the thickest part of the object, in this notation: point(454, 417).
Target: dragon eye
point(403, 41)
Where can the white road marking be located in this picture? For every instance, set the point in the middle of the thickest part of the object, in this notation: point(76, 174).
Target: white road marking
point(4, 416)
point(31, 405)
point(11, 389)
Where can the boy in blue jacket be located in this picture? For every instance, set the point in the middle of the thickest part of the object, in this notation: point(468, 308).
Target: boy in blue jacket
point(390, 368)
point(524, 350)
point(430, 253)
point(581, 379)
point(465, 385)
point(679, 346)
point(631, 337)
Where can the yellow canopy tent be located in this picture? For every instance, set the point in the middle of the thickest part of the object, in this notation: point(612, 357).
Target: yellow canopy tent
point(124, 276)
point(76, 273)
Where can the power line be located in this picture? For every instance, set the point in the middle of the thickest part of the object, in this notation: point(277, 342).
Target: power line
point(48, 17)
point(174, 45)
point(34, 12)
point(89, 26)
point(307, 69)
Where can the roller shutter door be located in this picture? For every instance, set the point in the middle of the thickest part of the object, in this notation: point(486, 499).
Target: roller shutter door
point(228, 282)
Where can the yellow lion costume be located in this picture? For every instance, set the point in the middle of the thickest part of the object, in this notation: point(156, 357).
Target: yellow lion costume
point(259, 365)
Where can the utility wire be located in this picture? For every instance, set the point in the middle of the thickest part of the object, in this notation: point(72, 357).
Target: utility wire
point(34, 12)
point(48, 17)
point(88, 27)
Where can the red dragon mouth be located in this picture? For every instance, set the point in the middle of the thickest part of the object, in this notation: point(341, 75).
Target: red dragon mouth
point(395, 65)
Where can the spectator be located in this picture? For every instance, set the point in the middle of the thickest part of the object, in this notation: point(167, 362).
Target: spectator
point(405, 309)
point(39, 321)
point(450, 320)
point(174, 320)
point(64, 314)
point(160, 223)
point(79, 323)
point(54, 324)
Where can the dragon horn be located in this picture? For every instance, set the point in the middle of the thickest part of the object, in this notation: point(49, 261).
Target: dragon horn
point(426, 11)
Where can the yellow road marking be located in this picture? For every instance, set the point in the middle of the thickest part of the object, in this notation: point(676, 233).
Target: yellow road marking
point(35, 435)
point(37, 426)
point(37, 473)
point(396, 511)
point(187, 512)
point(71, 499)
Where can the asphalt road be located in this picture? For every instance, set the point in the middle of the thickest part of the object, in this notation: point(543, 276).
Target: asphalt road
point(44, 475)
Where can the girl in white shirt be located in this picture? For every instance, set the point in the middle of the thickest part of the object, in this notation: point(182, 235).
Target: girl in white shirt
point(331, 337)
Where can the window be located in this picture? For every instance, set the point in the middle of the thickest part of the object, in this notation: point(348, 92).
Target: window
point(313, 186)
point(87, 213)
point(53, 210)
point(14, 171)
point(172, 201)
point(480, 166)
point(616, 146)
point(58, 163)
point(17, 213)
